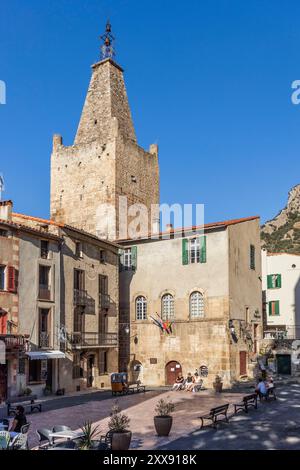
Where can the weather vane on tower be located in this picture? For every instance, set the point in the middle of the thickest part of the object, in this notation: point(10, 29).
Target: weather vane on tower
point(107, 48)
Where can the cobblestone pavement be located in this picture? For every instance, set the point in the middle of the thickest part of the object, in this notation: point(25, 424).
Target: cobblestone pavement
point(274, 425)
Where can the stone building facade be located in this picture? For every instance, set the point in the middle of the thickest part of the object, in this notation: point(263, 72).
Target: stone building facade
point(29, 322)
point(85, 288)
point(209, 287)
point(105, 163)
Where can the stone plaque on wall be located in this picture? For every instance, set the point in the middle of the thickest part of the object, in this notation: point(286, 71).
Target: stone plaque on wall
point(153, 360)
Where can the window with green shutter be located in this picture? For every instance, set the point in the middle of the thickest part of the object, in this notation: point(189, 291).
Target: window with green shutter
point(185, 251)
point(274, 281)
point(274, 308)
point(203, 249)
point(194, 250)
point(134, 258)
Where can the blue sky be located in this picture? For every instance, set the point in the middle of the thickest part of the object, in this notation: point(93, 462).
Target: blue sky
point(209, 81)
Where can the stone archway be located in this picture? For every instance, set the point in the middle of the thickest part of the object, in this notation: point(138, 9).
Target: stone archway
point(136, 370)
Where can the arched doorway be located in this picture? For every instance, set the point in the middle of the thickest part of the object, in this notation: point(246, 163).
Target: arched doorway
point(136, 371)
point(173, 369)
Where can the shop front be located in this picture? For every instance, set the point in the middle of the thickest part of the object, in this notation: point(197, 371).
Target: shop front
point(42, 371)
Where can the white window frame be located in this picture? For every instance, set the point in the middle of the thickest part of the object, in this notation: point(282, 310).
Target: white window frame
point(167, 307)
point(141, 308)
point(197, 306)
point(127, 259)
point(194, 250)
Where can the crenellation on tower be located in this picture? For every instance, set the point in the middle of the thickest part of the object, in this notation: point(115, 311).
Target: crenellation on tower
point(105, 161)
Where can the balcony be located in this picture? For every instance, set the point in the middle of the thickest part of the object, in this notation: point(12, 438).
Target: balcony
point(44, 340)
point(14, 341)
point(104, 301)
point(283, 332)
point(44, 292)
point(80, 297)
point(93, 340)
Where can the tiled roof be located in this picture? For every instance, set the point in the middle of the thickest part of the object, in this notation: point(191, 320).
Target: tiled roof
point(61, 225)
point(26, 228)
point(283, 253)
point(212, 225)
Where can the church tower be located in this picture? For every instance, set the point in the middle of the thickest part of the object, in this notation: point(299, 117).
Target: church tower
point(105, 164)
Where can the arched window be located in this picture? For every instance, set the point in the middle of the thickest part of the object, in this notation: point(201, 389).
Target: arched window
point(167, 307)
point(141, 308)
point(196, 305)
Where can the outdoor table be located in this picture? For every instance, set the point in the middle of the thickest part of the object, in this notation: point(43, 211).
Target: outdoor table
point(70, 435)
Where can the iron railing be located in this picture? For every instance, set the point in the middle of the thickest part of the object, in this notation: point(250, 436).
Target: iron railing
point(44, 292)
point(91, 339)
point(80, 297)
point(104, 301)
point(44, 339)
point(282, 332)
point(14, 341)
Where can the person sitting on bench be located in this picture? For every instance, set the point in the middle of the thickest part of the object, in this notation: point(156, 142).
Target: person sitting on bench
point(178, 383)
point(197, 383)
point(189, 383)
point(271, 388)
point(19, 421)
point(261, 388)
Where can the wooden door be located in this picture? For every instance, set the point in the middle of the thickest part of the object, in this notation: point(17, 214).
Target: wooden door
point(243, 363)
point(3, 382)
point(90, 370)
point(283, 364)
point(173, 369)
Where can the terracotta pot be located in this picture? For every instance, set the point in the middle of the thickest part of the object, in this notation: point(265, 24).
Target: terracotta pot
point(121, 440)
point(163, 425)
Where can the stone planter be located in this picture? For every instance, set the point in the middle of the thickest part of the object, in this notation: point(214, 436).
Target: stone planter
point(163, 425)
point(121, 440)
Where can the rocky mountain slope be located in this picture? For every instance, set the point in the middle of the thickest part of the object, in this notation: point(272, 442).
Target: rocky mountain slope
point(280, 234)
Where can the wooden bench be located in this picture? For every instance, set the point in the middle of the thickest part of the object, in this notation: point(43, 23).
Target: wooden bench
point(247, 401)
point(28, 402)
point(136, 387)
point(214, 413)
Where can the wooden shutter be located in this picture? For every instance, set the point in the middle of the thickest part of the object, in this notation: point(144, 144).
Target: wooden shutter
point(277, 312)
point(203, 249)
point(269, 281)
point(121, 259)
point(134, 258)
point(11, 279)
point(185, 251)
point(279, 281)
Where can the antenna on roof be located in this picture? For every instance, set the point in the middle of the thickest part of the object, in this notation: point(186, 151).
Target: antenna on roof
point(2, 188)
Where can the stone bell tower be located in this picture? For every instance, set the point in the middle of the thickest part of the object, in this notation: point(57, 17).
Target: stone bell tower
point(105, 162)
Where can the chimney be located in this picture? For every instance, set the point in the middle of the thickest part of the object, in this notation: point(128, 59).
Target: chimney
point(169, 227)
point(6, 210)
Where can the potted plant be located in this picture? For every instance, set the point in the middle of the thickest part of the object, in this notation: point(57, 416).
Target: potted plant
point(47, 390)
point(163, 420)
point(87, 441)
point(118, 425)
point(218, 384)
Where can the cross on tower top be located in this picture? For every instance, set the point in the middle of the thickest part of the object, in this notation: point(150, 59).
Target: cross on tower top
point(107, 48)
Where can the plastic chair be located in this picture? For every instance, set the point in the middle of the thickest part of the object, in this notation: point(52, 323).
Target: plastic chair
point(25, 428)
point(43, 435)
point(4, 439)
point(19, 442)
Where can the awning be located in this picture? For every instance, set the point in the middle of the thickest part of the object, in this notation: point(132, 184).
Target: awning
point(36, 355)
